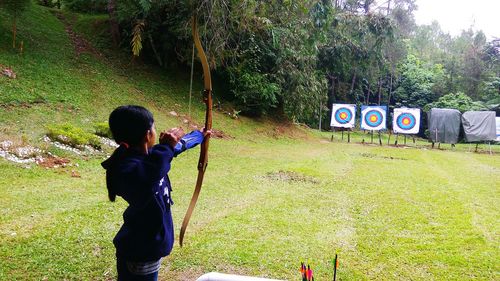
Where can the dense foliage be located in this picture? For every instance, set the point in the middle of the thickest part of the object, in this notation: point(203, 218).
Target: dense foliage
point(296, 58)
point(14, 8)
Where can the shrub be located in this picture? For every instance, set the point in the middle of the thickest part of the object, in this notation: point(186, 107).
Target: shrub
point(102, 129)
point(459, 101)
point(73, 136)
point(86, 6)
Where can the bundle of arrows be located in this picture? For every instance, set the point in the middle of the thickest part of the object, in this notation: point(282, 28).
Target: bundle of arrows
point(307, 273)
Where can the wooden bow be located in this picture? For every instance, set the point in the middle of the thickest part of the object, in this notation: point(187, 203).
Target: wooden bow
point(207, 99)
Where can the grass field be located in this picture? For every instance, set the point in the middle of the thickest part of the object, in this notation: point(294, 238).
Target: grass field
point(274, 194)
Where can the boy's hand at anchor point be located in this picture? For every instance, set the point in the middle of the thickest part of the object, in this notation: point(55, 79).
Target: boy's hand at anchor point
point(172, 136)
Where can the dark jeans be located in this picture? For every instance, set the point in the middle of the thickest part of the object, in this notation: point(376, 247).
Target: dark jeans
point(125, 275)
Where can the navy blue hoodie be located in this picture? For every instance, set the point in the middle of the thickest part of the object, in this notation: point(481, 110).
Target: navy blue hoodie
point(147, 233)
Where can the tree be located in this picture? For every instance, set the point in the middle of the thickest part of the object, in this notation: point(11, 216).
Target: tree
point(113, 22)
point(15, 8)
point(491, 86)
point(354, 53)
point(416, 83)
point(459, 101)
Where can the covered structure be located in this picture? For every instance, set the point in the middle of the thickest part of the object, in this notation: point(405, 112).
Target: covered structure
point(444, 125)
point(479, 126)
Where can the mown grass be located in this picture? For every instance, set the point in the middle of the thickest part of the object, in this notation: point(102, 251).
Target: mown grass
point(390, 213)
point(420, 215)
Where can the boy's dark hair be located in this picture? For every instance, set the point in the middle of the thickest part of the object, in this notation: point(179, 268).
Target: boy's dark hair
point(130, 123)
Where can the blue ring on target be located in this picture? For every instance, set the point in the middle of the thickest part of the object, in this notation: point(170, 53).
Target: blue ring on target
point(409, 117)
point(339, 118)
point(377, 121)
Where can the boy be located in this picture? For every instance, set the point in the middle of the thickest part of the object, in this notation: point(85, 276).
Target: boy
point(137, 171)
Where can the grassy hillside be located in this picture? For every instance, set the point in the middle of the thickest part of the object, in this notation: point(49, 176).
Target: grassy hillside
point(274, 194)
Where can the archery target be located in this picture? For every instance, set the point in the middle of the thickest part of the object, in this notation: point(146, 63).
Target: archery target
point(406, 121)
point(343, 115)
point(373, 117)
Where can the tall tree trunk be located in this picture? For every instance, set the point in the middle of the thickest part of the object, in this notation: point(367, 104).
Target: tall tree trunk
point(390, 90)
point(379, 90)
point(14, 30)
point(331, 78)
point(367, 99)
point(113, 22)
point(331, 93)
point(158, 58)
point(353, 81)
point(388, 7)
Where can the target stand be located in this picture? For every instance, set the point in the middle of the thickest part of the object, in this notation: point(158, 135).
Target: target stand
point(343, 118)
point(342, 136)
point(406, 121)
point(373, 118)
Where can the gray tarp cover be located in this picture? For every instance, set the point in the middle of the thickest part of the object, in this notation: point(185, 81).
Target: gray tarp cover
point(444, 125)
point(479, 125)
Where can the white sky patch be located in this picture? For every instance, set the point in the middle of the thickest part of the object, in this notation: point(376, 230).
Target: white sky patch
point(456, 15)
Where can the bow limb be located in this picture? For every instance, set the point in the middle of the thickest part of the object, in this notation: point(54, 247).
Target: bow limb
point(207, 99)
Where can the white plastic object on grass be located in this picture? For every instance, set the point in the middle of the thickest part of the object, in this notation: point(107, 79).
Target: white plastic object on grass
point(216, 276)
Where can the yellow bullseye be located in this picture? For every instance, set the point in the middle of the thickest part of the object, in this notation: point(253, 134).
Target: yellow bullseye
point(343, 115)
point(406, 121)
point(373, 118)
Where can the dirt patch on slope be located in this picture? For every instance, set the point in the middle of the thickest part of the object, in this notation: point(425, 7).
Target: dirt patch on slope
point(81, 45)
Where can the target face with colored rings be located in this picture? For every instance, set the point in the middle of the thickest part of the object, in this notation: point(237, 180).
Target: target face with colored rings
point(406, 121)
point(343, 115)
point(373, 118)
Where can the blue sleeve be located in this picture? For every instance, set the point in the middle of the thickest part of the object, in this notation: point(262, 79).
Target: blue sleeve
point(188, 141)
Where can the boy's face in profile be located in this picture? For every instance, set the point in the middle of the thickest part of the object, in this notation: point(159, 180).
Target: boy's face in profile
point(151, 136)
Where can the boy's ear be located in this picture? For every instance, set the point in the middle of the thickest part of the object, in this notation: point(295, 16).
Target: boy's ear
point(148, 136)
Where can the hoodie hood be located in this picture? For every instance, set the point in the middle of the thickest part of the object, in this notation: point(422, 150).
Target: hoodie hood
point(111, 164)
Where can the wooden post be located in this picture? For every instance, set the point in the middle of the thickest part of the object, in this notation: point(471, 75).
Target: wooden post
point(405, 139)
point(342, 135)
point(372, 136)
point(349, 136)
point(389, 139)
point(396, 142)
point(379, 138)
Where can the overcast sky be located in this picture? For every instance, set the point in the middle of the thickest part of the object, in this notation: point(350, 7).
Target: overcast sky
point(455, 15)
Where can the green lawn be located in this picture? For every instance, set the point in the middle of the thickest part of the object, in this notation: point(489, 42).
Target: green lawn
point(270, 199)
point(420, 215)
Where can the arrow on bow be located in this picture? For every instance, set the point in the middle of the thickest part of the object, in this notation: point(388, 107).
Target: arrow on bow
point(207, 99)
